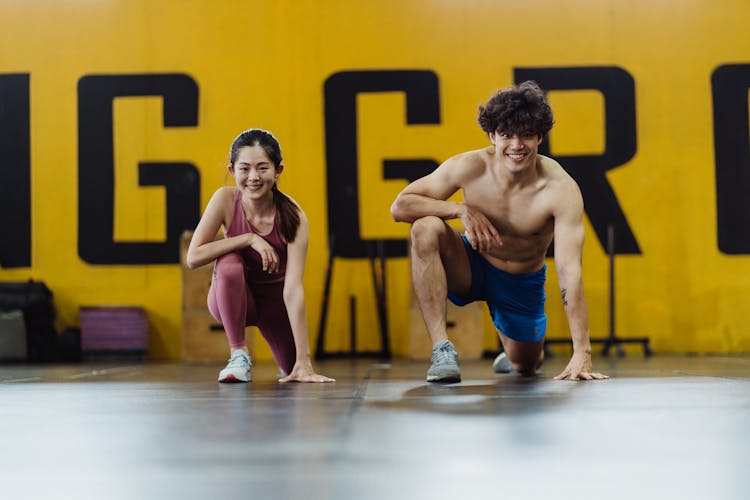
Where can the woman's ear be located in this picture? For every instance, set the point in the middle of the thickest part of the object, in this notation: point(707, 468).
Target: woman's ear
point(279, 169)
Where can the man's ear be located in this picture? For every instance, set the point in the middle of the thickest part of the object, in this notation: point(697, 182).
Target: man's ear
point(491, 135)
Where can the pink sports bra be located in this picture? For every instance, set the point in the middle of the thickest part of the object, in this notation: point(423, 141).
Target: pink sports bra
point(253, 263)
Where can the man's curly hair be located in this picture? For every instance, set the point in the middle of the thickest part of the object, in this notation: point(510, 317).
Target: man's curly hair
point(520, 109)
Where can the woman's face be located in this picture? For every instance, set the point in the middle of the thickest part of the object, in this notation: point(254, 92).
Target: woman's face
point(254, 172)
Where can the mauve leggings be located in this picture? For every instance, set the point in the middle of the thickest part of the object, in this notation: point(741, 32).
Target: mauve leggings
point(236, 304)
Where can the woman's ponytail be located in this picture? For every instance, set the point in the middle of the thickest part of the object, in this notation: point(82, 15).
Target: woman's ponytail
point(288, 213)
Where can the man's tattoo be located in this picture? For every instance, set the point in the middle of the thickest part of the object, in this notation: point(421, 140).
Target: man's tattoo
point(564, 293)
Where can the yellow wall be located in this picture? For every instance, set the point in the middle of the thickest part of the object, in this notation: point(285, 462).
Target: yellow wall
point(264, 64)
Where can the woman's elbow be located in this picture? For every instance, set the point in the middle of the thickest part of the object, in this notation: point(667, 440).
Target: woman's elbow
point(192, 261)
point(293, 294)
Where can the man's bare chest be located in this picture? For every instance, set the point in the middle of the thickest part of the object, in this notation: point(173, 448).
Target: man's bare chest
point(524, 216)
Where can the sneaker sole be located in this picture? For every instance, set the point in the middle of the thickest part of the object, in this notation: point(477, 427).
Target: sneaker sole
point(231, 379)
point(445, 379)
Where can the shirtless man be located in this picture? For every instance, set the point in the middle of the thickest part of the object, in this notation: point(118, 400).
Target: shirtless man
point(516, 202)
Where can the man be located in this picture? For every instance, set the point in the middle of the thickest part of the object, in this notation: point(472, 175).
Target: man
point(516, 202)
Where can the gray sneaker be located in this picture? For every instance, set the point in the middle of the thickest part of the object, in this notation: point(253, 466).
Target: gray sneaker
point(238, 368)
point(444, 367)
point(502, 364)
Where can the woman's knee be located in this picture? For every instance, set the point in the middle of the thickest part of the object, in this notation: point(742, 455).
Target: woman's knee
point(281, 342)
point(230, 267)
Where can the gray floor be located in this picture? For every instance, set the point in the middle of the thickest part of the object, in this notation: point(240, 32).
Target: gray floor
point(664, 427)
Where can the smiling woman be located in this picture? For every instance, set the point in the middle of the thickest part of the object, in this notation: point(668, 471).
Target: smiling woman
point(257, 279)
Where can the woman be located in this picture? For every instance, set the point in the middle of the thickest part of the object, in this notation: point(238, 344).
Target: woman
point(260, 261)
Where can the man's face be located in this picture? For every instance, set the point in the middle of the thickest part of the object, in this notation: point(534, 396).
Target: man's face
point(517, 150)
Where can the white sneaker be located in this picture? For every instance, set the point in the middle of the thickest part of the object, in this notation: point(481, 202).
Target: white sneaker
point(444, 368)
point(238, 368)
point(502, 364)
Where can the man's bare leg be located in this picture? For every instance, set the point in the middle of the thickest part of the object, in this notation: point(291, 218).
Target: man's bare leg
point(438, 264)
point(522, 357)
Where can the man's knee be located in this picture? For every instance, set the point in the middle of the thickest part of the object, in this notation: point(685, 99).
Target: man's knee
point(425, 234)
point(525, 368)
point(526, 363)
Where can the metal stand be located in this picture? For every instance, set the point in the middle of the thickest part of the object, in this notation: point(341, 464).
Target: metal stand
point(378, 280)
point(612, 340)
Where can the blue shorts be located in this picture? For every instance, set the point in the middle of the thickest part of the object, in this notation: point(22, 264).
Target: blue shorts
point(515, 301)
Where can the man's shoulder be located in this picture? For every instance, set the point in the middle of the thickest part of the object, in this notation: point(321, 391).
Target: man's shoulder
point(469, 161)
point(475, 155)
point(553, 172)
point(560, 186)
point(550, 167)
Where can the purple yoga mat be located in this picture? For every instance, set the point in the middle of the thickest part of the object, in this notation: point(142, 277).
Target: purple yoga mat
point(113, 329)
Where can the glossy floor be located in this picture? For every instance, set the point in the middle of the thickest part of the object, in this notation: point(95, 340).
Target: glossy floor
point(664, 427)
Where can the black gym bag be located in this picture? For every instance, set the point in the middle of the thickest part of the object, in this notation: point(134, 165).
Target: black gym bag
point(34, 299)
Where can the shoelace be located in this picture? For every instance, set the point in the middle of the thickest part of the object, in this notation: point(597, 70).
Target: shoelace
point(443, 355)
point(239, 360)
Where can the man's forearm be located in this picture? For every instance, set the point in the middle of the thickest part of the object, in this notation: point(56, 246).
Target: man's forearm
point(410, 207)
point(574, 302)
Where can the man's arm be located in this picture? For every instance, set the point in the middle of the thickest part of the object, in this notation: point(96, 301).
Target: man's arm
point(568, 257)
point(428, 196)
